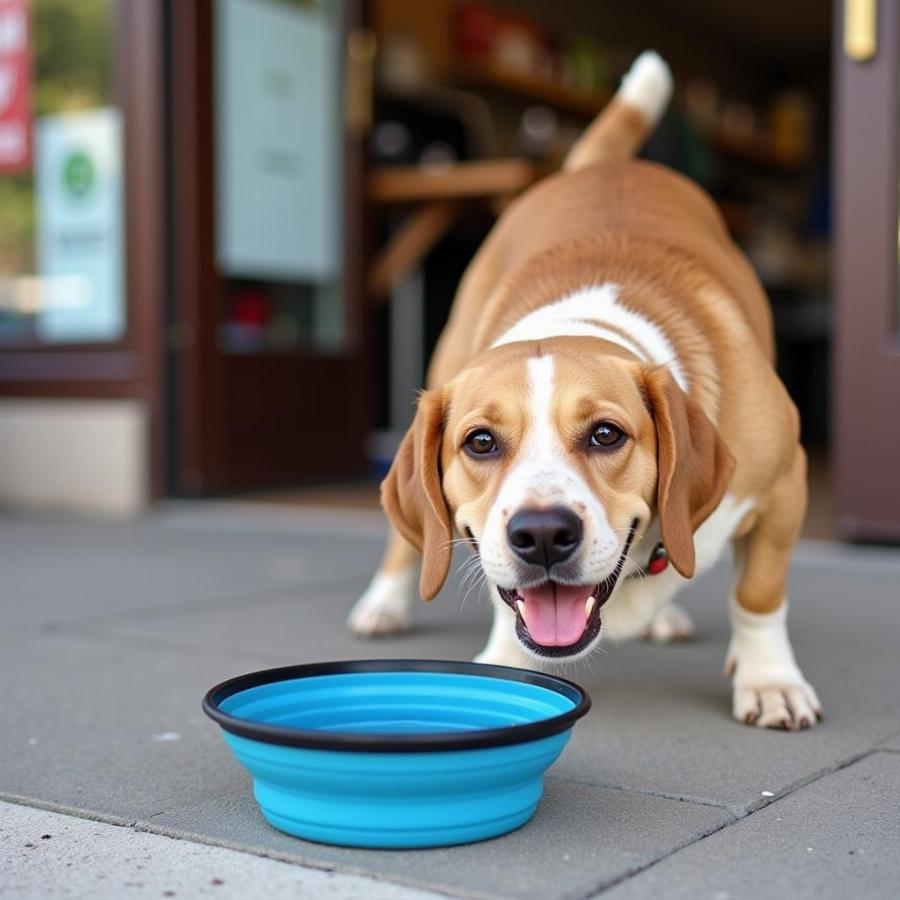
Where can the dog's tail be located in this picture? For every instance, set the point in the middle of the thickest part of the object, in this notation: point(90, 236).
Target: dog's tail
point(623, 126)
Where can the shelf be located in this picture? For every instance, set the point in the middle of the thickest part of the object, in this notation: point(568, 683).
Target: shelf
point(481, 178)
point(758, 151)
point(531, 87)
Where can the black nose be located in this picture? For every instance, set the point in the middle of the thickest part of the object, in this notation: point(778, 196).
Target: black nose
point(544, 536)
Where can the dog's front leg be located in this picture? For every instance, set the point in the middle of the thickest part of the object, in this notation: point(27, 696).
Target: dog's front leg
point(769, 688)
point(384, 608)
point(503, 647)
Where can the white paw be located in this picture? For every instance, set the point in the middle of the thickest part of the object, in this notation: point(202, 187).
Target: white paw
point(372, 621)
point(790, 704)
point(385, 606)
point(671, 623)
point(769, 688)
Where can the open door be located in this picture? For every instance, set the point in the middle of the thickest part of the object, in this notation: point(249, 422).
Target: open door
point(269, 339)
point(866, 409)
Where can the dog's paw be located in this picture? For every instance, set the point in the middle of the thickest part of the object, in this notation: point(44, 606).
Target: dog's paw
point(769, 688)
point(670, 623)
point(372, 621)
point(771, 692)
point(384, 608)
point(791, 705)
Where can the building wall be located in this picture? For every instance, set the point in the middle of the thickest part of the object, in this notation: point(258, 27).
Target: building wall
point(86, 456)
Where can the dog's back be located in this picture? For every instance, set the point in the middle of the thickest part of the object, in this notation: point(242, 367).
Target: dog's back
point(605, 217)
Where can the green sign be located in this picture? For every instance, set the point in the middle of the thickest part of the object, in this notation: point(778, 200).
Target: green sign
point(78, 174)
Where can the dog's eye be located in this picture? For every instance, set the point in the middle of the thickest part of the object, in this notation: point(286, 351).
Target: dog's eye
point(481, 443)
point(607, 435)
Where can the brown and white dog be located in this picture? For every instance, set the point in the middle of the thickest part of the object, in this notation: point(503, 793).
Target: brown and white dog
point(603, 403)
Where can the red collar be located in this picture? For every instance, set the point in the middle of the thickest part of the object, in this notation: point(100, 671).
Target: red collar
point(659, 560)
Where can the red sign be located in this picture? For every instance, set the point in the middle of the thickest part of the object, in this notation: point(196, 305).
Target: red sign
point(15, 87)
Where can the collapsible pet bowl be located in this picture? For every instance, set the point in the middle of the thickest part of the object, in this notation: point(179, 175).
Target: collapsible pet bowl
point(396, 753)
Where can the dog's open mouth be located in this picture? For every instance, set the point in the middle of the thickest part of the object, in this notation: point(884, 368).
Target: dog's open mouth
point(555, 619)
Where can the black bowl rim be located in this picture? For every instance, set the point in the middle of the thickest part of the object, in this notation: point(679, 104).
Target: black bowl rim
point(398, 743)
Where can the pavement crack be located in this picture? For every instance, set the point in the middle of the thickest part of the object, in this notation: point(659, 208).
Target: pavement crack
point(636, 870)
point(721, 826)
point(734, 809)
point(809, 779)
point(307, 863)
point(66, 810)
point(146, 826)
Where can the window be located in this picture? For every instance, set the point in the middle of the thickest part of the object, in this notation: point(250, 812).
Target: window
point(62, 231)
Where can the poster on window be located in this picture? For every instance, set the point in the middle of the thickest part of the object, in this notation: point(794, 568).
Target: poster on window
point(15, 88)
point(278, 141)
point(80, 226)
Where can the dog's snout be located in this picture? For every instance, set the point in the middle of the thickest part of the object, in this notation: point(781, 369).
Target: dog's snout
point(544, 536)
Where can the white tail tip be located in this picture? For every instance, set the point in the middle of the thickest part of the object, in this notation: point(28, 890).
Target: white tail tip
point(647, 86)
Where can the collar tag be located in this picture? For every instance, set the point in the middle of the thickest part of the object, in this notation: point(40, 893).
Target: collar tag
point(659, 560)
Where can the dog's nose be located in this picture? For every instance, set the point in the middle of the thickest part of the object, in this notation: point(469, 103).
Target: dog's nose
point(544, 536)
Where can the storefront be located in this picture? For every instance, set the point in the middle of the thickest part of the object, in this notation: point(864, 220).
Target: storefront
point(202, 291)
point(82, 270)
point(180, 308)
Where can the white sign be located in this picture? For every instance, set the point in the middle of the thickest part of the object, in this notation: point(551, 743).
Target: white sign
point(278, 141)
point(80, 227)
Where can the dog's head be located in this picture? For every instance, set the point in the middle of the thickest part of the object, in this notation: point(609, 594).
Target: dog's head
point(553, 460)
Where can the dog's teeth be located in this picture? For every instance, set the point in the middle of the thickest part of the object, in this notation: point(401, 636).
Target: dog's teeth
point(589, 606)
point(520, 606)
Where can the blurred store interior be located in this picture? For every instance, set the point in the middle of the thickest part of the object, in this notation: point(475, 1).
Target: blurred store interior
point(750, 122)
point(235, 287)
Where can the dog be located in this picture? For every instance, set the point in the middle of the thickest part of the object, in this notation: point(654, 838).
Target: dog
point(602, 416)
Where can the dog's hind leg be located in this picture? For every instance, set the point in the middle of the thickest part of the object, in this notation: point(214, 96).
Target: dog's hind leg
point(384, 608)
point(670, 623)
point(769, 688)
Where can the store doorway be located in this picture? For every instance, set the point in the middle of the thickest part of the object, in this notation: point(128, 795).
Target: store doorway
point(517, 80)
point(269, 344)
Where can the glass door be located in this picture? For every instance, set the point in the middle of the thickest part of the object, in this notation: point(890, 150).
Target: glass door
point(270, 356)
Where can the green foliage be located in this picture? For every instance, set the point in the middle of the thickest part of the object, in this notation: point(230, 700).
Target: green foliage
point(72, 59)
point(71, 41)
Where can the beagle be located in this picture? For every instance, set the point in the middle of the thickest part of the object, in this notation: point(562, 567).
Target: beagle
point(602, 417)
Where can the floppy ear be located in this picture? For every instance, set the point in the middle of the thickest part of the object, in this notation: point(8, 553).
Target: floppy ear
point(694, 467)
point(412, 495)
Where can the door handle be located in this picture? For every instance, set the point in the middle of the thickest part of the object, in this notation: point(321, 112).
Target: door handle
point(860, 29)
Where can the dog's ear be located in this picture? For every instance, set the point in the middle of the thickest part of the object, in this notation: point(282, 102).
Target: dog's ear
point(413, 498)
point(694, 466)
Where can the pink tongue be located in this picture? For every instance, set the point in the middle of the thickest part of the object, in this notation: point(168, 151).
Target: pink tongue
point(555, 613)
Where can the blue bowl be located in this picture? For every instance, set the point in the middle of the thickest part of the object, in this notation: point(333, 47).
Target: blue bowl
point(396, 753)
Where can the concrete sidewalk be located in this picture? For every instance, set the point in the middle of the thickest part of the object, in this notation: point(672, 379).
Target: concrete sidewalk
point(111, 633)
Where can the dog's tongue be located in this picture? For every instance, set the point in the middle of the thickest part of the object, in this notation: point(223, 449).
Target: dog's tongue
point(555, 614)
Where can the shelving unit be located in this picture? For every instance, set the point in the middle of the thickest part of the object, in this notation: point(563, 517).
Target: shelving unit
point(555, 93)
point(757, 150)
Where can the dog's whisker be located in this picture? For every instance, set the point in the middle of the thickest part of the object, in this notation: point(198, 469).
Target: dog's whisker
point(457, 542)
point(467, 571)
point(477, 583)
point(466, 586)
point(473, 562)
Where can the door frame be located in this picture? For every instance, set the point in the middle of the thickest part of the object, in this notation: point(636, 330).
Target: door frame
point(866, 344)
point(201, 378)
